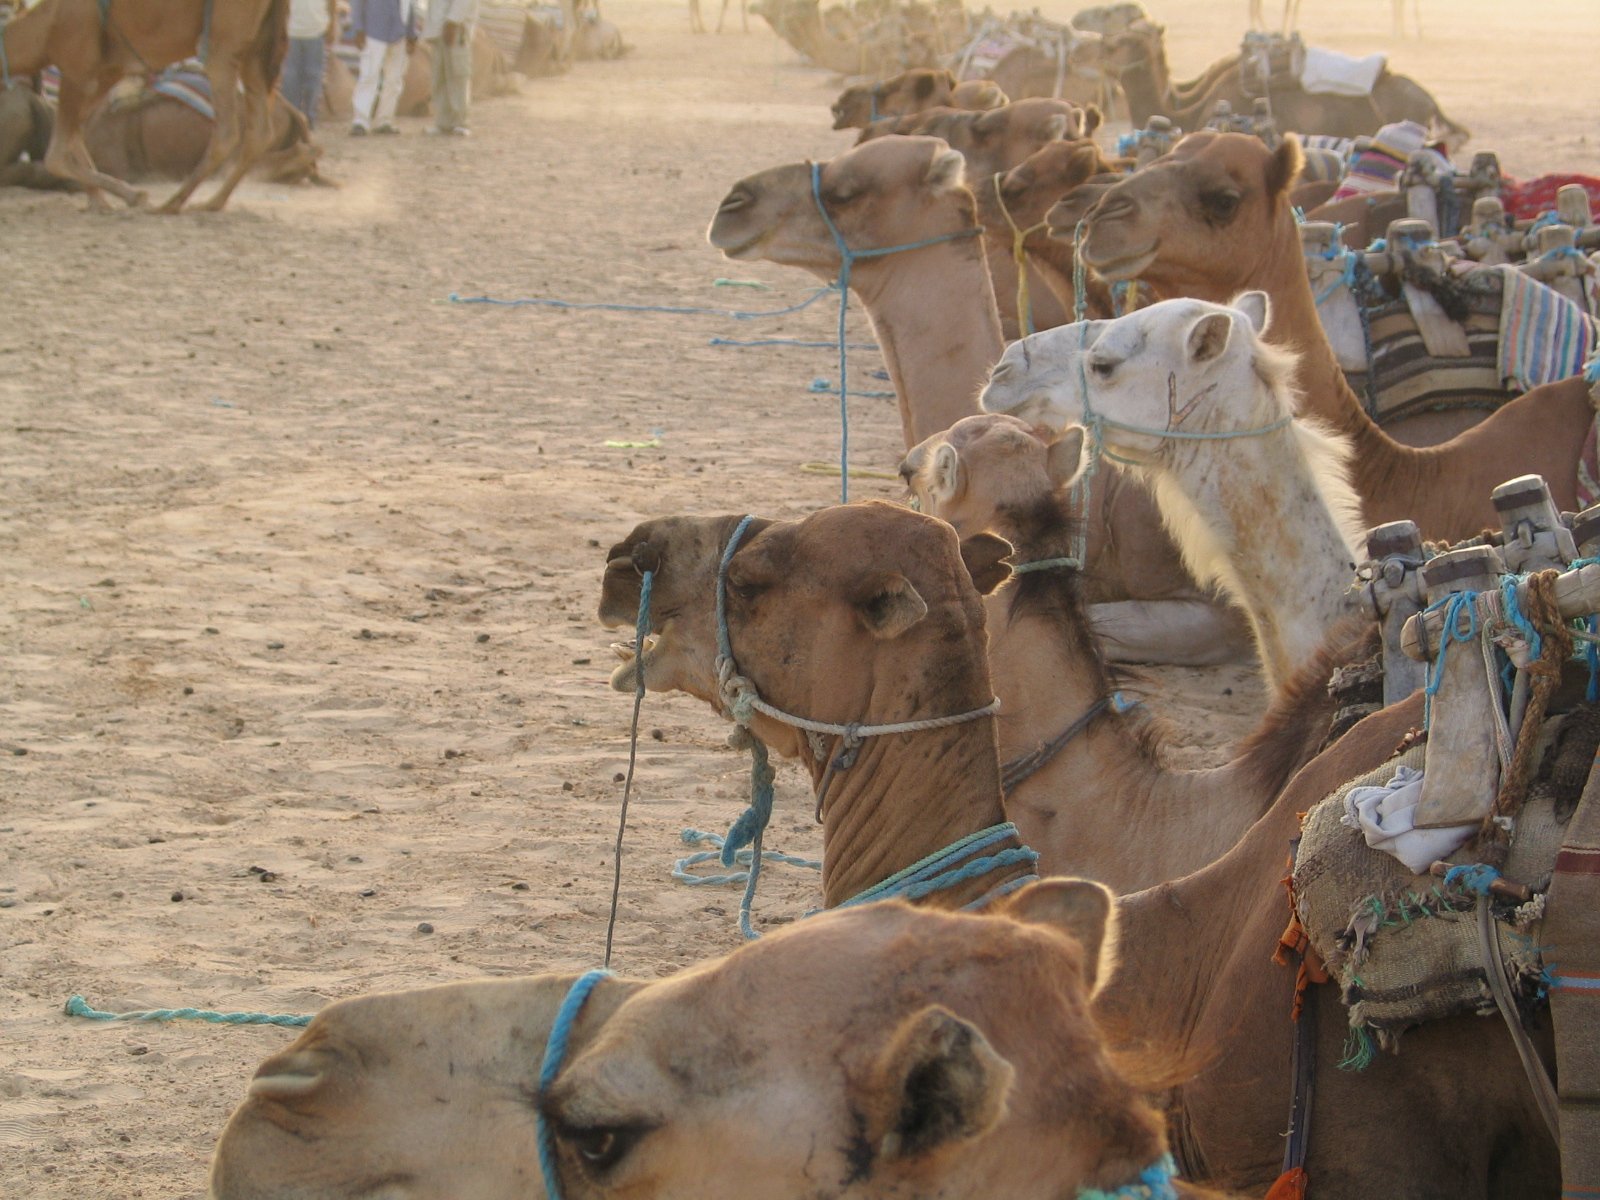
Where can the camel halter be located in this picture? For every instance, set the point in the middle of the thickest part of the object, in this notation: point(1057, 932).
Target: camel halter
point(847, 260)
point(740, 697)
point(1019, 238)
point(555, 1050)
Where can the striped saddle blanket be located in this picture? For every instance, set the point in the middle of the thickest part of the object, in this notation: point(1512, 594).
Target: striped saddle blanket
point(182, 82)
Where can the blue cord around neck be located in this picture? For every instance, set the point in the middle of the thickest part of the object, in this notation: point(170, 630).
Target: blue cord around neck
point(1154, 1183)
point(555, 1052)
point(847, 260)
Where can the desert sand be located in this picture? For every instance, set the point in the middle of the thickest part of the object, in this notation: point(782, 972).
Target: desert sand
point(301, 689)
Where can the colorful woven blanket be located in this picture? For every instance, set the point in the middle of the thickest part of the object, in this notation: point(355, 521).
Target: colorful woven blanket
point(1543, 335)
point(1535, 197)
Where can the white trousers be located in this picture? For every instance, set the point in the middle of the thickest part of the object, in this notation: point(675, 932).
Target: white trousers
point(385, 62)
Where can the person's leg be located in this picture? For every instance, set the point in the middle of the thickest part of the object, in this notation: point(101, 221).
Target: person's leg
point(315, 66)
point(394, 81)
point(292, 80)
point(369, 73)
point(443, 116)
point(460, 83)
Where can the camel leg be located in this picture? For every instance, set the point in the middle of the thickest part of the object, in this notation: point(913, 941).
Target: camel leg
point(1182, 633)
point(226, 132)
point(722, 17)
point(696, 22)
point(256, 133)
point(69, 157)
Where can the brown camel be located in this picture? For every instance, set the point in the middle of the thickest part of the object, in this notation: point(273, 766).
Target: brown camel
point(1213, 219)
point(438, 1086)
point(1045, 665)
point(1198, 971)
point(860, 104)
point(1138, 58)
point(94, 44)
point(992, 142)
point(25, 124)
point(933, 313)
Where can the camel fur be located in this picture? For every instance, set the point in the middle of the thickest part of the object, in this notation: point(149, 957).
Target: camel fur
point(933, 314)
point(246, 40)
point(860, 104)
point(1211, 220)
point(1190, 367)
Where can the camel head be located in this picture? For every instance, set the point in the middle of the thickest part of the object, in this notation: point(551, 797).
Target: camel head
point(1048, 174)
point(1178, 365)
point(886, 193)
point(418, 1095)
point(1207, 220)
point(869, 1053)
point(907, 92)
point(821, 612)
point(1001, 138)
point(985, 470)
point(1133, 45)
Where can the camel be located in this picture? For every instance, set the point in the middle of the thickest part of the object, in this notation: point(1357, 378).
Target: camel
point(920, 1004)
point(94, 43)
point(1138, 59)
point(1212, 220)
point(25, 124)
point(490, 77)
point(860, 104)
point(933, 314)
point(1053, 686)
point(1177, 384)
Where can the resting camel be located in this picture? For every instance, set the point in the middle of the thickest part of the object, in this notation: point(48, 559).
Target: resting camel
point(933, 314)
point(94, 43)
point(860, 104)
point(1174, 381)
point(1211, 220)
point(1046, 669)
point(924, 1045)
point(25, 123)
point(1138, 59)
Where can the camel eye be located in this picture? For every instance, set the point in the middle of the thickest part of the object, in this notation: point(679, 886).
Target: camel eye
point(1101, 368)
point(602, 1147)
point(1220, 205)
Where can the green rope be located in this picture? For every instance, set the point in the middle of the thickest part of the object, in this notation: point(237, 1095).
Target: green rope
point(77, 1006)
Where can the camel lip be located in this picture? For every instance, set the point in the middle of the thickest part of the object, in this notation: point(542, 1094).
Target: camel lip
point(626, 676)
point(1121, 267)
point(740, 249)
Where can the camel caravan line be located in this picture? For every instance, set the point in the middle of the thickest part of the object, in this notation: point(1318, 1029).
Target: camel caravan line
point(1152, 412)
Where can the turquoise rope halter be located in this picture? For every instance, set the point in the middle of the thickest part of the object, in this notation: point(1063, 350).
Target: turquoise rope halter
point(847, 260)
point(555, 1051)
point(1154, 1183)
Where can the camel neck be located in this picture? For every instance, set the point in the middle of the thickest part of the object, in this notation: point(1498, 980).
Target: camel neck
point(1289, 573)
point(906, 797)
point(934, 315)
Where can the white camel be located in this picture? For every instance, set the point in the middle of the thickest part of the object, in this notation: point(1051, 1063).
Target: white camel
point(1187, 395)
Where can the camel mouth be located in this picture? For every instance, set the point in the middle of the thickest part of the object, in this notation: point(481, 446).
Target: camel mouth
point(744, 249)
point(626, 677)
point(1120, 267)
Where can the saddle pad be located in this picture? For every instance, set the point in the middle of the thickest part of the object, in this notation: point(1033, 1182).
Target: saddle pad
point(1329, 73)
point(186, 87)
point(1543, 335)
point(1527, 200)
point(1411, 381)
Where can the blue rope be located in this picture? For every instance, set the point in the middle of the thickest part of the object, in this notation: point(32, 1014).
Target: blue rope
point(695, 837)
point(1454, 605)
point(77, 1006)
point(1591, 657)
point(757, 343)
point(824, 388)
point(1514, 614)
point(674, 309)
point(935, 872)
point(641, 631)
point(555, 1051)
point(1472, 877)
point(847, 260)
point(1154, 1183)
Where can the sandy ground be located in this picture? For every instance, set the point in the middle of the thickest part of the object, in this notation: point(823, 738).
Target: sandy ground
point(298, 561)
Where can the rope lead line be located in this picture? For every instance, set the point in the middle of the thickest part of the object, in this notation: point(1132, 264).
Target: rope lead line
point(847, 260)
point(641, 631)
point(555, 1052)
point(77, 1006)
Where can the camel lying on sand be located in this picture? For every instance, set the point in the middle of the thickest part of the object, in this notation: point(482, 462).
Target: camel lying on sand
point(490, 77)
point(94, 47)
point(25, 125)
point(860, 104)
point(1138, 60)
point(1186, 396)
point(925, 1047)
point(1063, 744)
point(1212, 219)
point(932, 310)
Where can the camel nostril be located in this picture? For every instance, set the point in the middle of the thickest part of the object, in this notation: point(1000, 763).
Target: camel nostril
point(735, 200)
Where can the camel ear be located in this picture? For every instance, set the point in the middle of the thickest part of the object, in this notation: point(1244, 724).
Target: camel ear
point(946, 478)
point(1208, 337)
point(985, 555)
point(891, 607)
point(1078, 908)
point(1064, 460)
point(1056, 127)
point(1284, 169)
point(937, 1084)
point(1092, 119)
point(925, 85)
point(947, 170)
point(1257, 309)
point(950, 80)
